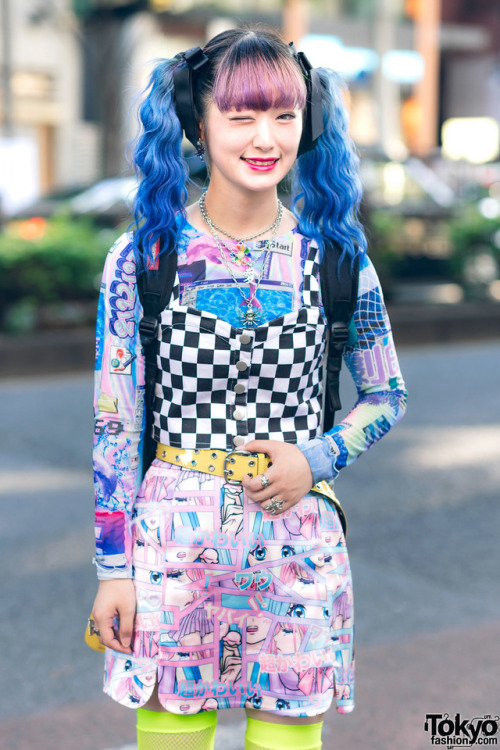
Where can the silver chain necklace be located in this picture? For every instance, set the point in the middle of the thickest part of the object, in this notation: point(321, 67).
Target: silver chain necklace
point(250, 317)
point(239, 240)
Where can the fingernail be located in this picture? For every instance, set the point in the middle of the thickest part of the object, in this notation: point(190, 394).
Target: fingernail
point(126, 642)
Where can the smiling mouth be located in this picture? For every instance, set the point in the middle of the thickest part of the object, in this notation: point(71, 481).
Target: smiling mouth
point(260, 162)
point(252, 629)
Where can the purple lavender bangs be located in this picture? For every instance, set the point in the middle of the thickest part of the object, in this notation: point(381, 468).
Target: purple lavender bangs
point(258, 82)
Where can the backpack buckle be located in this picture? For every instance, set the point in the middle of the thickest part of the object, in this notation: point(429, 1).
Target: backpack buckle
point(148, 327)
point(339, 333)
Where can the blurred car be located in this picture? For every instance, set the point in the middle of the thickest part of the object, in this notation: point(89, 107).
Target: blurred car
point(108, 202)
point(410, 186)
point(48, 204)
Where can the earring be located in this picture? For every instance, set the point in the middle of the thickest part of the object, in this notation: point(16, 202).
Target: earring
point(200, 150)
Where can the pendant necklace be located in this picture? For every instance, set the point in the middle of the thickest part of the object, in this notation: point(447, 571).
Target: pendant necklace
point(243, 258)
point(241, 255)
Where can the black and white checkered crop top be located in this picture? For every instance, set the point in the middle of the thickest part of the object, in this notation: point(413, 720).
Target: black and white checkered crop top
point(220, 386)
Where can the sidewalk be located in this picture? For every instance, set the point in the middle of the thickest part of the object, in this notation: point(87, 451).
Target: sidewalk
point(50, 352)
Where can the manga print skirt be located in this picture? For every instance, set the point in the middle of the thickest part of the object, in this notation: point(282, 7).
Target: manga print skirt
point(235, 607)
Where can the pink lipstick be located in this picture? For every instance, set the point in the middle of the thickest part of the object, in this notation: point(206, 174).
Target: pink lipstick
point(261, 165)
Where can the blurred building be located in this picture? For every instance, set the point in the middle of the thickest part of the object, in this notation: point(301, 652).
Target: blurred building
point(42, 58)
point(470, 58)
point(75, 68)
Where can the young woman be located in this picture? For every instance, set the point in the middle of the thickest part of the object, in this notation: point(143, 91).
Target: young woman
point(223, 590)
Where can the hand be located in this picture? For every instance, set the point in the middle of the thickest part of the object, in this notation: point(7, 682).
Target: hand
point(290, 476)
point(115, 598)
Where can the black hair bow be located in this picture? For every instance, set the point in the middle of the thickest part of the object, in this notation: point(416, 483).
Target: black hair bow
point(194, 60)
point(313, 116)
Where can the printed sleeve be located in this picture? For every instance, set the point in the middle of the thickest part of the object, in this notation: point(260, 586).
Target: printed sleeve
point(372, 361)
point(118, 411)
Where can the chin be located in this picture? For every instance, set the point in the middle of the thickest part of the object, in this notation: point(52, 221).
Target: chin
point(261, 185)
point(263, 180)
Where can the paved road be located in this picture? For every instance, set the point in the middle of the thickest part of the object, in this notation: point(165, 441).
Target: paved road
point(423, 517)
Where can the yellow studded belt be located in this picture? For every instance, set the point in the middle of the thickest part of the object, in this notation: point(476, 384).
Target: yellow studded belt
point(233, 465)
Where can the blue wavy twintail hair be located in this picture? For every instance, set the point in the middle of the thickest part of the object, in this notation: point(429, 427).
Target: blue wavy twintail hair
point(326, 180)
point(160, 167)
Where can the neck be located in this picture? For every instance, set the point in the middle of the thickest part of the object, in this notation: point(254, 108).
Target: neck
point(241, 213)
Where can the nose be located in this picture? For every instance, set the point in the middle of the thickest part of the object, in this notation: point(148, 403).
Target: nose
point(263, 135)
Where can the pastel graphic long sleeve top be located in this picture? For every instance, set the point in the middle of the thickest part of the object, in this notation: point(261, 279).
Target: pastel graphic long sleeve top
point(206, 284)
point(372, 361)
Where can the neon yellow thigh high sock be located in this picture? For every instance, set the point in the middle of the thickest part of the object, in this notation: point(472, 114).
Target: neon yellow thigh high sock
point(262, 735)
point(160, 730)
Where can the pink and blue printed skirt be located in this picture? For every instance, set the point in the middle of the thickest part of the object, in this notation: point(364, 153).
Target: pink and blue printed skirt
point(235, 607)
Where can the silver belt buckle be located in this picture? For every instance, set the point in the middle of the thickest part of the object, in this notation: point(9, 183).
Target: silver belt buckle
point(230, 460)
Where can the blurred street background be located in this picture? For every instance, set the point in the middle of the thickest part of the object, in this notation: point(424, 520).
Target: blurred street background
point(423, 517)
point(424, 100)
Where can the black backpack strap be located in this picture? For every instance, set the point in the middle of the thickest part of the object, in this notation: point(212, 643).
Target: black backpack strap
point(155, 289)
point(339, 291)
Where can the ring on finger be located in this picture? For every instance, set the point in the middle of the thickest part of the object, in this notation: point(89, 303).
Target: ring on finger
point(264, 481)
point(273, 509)
point(93, 629)
point(274, 506)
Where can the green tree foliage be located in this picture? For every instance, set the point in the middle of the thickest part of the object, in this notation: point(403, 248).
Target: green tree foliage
point(50, 262)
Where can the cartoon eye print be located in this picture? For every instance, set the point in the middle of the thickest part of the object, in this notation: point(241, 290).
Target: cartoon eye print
point(281, 704)
point(305, 579)
point(156, 577)
point(257, 701)
point(287, 550)
point(127, 666)
point(296, 610)
point(260, 553)
point(326, 613)
point(174, 575)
